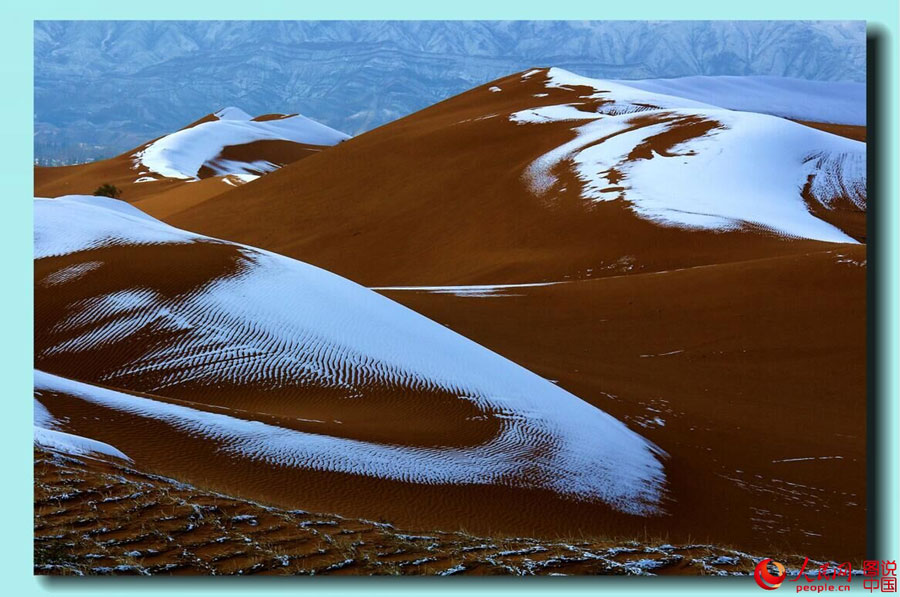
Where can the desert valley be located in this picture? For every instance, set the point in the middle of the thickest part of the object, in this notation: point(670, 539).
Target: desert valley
point(553, 324)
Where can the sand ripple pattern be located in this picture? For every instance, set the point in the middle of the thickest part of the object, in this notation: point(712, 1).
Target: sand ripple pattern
point(274, 321)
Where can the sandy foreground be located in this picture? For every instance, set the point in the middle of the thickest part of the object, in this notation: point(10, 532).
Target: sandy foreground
point(96, 517)
point(738, 353)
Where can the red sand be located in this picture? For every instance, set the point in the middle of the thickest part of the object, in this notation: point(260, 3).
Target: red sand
point(742, 354)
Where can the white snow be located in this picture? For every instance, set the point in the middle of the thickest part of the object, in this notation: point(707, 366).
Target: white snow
point(59, 441)
point(42, 416)
point(661, 354)
point(494, 89)
point(183, 153)
point(239, 179)
point(70, 272)
point(47, 437)
point(78, 222)
point(279, 321)
point(622, 98)
point(472, 290)
point(821, 101)
point(748, 171)
point(555, 113)
point(808, 458)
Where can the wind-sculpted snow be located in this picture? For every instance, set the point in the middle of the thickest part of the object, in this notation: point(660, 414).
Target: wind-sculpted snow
point(620, 98)
point(81, 222)
point(269, 324)
point(703, 167)
point(819, 101)
point(183, 153)
point(46, 436)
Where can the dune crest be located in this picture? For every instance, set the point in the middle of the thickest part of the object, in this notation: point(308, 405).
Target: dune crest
point(253, 331)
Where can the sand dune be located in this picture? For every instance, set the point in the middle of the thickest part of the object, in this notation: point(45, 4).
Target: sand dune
point(228, 146)
point(695, 272)
point(145, 524)
point(751, 375)
point(456, 179)
point(329, 377)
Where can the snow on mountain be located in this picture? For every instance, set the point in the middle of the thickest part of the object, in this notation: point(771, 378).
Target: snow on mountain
point(275, 323)
point(840, 102)
point(680, 163)
point(183, 153)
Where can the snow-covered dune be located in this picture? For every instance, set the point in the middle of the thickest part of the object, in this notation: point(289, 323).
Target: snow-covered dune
point(680, 163)
point(263, 326)
point(840, 102)
point(183, 153)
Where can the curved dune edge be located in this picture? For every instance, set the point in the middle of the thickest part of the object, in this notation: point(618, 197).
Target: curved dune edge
point(205, 158)
point(679, 163)
point(185, 153)
point(349, 337)
point(455, 178)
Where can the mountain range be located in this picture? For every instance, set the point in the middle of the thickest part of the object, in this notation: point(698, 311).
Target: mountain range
point(104, 87)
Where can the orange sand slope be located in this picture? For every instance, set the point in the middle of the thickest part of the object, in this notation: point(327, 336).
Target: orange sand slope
point(224, 149)
point(695, 273)
point(271, 374)
point(551, 179)
point(144, 524)
point(751, 375)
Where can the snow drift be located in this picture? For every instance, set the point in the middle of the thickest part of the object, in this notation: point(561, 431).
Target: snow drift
point(183, 153)
point(681, 163)
point(272, 322)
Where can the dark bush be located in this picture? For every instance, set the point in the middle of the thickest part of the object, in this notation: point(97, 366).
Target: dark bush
point(108, 190)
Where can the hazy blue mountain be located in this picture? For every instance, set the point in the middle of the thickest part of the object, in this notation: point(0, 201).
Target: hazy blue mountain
point(104, 86)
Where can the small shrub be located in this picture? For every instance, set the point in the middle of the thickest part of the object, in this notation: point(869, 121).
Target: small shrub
point(108, 190)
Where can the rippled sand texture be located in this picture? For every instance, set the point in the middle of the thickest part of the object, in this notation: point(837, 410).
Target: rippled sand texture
point(677, 291)
point(96, 517)
point(263, 369)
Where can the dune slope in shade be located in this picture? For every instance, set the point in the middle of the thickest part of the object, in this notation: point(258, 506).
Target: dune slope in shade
point(282, 335)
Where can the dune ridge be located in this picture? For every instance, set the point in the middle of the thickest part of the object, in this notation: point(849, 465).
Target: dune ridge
point(223, 335)
point(672, 286)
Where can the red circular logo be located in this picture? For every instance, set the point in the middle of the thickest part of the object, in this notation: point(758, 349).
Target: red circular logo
point(766, 579)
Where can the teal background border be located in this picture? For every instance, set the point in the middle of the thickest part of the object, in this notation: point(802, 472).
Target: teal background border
point(16, 162)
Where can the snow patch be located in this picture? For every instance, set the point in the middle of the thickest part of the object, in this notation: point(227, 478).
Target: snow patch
point(749, 170)
point(315, 328)
point(555, 113)
point(183, 153)
point(475, 290)
point(820, 101)
point(79, 222)
point(59, 441)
